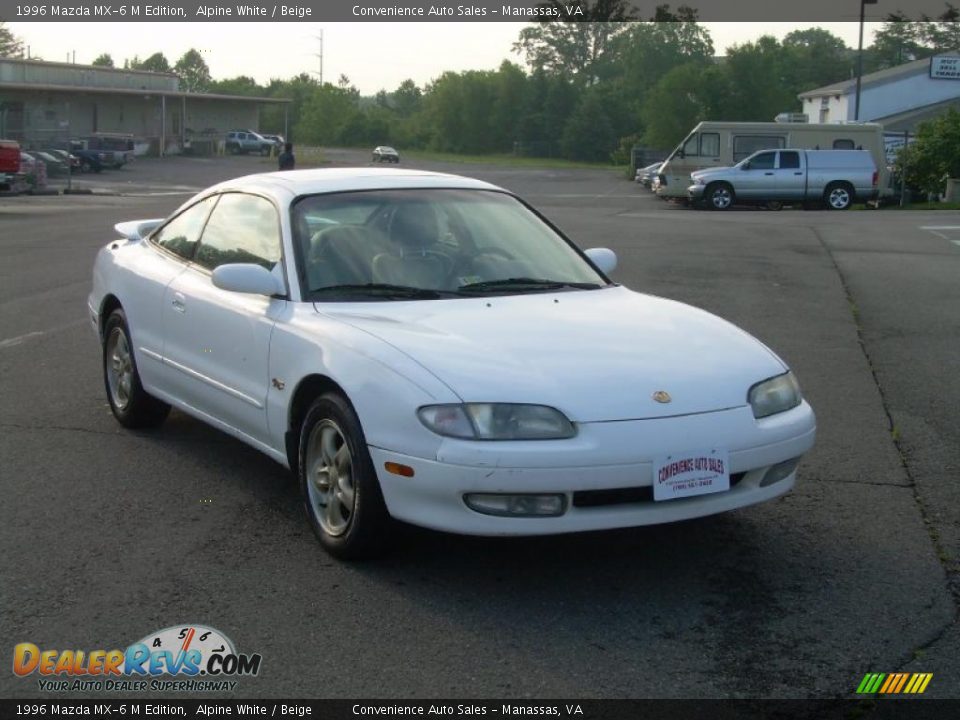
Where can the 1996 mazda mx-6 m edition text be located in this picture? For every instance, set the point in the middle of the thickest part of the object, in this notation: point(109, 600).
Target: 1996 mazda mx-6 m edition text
point(427, 348)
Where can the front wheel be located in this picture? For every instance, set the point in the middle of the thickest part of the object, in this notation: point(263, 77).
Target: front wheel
point(838, 196)
point(132, 406)
point(338, 484)
point(719, 196)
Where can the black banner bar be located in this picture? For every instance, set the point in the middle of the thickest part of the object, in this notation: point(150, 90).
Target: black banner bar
point(465, 11)
point(915, 709)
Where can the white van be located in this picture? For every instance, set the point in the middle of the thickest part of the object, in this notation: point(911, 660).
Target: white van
point(722, 144)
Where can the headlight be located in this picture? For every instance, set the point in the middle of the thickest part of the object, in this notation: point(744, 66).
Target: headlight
point(697, 180)
point(497, 421)
point(775, 395)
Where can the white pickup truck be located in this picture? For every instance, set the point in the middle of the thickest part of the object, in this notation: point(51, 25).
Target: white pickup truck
point(834, 178)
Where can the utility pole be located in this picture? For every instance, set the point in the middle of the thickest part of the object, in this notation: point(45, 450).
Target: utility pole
point(856, 110)
point(320, 55)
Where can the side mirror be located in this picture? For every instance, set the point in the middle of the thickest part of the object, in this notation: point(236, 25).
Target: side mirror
point(247, 278)
point(746, 165)
point(603, 258)
point(681, 154)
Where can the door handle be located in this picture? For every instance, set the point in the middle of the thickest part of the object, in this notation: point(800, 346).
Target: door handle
point(798, 173)
point(179, 303)
point(768, 173)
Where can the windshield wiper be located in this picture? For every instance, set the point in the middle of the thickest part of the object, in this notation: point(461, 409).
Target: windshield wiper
point(526, 284)
point(382, 290)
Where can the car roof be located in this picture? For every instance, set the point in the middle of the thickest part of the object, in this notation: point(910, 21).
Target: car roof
point(292, 183)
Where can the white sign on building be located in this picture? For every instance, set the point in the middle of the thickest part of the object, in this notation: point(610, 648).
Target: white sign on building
point(945, 67)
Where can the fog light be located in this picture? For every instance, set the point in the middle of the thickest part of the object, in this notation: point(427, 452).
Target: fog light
point(517, 505)
point(779, 471)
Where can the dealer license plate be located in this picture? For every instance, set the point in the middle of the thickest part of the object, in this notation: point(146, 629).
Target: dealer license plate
point(693, 473)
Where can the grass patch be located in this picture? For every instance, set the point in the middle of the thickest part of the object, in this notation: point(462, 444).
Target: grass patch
point(511, 160)
point(924, 206)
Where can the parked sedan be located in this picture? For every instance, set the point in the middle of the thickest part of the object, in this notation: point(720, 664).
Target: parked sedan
point(385, 153)
point(72, 161)
point(425, 347)
point(646, 175)
point(55, 165)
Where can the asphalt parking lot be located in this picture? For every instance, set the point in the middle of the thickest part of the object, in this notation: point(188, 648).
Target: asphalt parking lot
point(110, 534)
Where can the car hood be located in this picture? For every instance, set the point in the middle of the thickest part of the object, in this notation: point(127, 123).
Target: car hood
point(711, 171)
point(596, 355)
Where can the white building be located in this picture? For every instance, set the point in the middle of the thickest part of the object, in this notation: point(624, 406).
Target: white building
point(899, 98)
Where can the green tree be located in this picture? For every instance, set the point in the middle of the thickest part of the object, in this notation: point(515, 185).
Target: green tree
point(326, 113)
point(10, 45)
point(588, 134)
point(815, 57)
point(407, 98)
point(193, 72)
point(103, 60)
point(900, 40)
point(241, 85)
point(758, 86)
point(155, 63)
point(574, 48)
point(942, 35)
point(280, 118)
point(682, 98)
point(935, 155)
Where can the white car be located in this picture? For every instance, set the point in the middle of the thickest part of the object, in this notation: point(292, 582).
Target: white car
point(427, 348)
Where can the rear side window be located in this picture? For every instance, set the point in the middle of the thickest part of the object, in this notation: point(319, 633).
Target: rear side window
point(180, 235)
point(789, 160)
point(242, 229)
point(744, 145)
point(843, 144)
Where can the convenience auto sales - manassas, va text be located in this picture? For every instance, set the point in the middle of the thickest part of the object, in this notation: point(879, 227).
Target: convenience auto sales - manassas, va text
point(406, 710)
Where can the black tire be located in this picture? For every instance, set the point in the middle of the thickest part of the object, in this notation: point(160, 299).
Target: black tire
point(132, 406)
point(85, 166)
point(719, 196)
point(774, 205)
point(340, 490)
point(838, 196)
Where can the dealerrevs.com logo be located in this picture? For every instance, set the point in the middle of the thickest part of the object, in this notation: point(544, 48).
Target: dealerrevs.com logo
point(181, 658)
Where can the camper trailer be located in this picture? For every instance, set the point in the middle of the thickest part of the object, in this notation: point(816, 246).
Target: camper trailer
point(714, 144)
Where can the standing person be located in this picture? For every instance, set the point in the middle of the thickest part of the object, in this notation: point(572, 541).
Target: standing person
point(286, 158)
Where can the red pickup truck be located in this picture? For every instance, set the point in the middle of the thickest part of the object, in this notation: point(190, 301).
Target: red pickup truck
point(9, 162)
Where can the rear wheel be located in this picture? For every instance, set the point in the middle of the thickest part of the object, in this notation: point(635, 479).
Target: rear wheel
point(719, 196)
point(132, 406)
point(838, 196)
point(338, 484)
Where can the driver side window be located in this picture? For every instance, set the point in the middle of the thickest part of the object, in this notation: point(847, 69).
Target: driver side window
point(763, 161)
point(242, 229)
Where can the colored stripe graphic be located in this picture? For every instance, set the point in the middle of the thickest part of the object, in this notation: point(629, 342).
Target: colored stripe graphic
point(894, 683)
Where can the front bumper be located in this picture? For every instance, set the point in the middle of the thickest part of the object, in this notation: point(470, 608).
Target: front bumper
point(695, 192)
point(616, 458)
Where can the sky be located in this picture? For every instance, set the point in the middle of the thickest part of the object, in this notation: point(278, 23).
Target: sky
point(374, 56)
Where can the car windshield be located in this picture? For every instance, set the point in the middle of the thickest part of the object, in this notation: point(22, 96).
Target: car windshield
point(429, 244)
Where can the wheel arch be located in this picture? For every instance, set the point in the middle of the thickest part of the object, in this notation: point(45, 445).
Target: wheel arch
point(307, 390)
point(109, 303)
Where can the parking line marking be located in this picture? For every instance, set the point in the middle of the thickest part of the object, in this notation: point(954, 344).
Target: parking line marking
point(14, 341)
point(935, 229)
point(10, 342)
